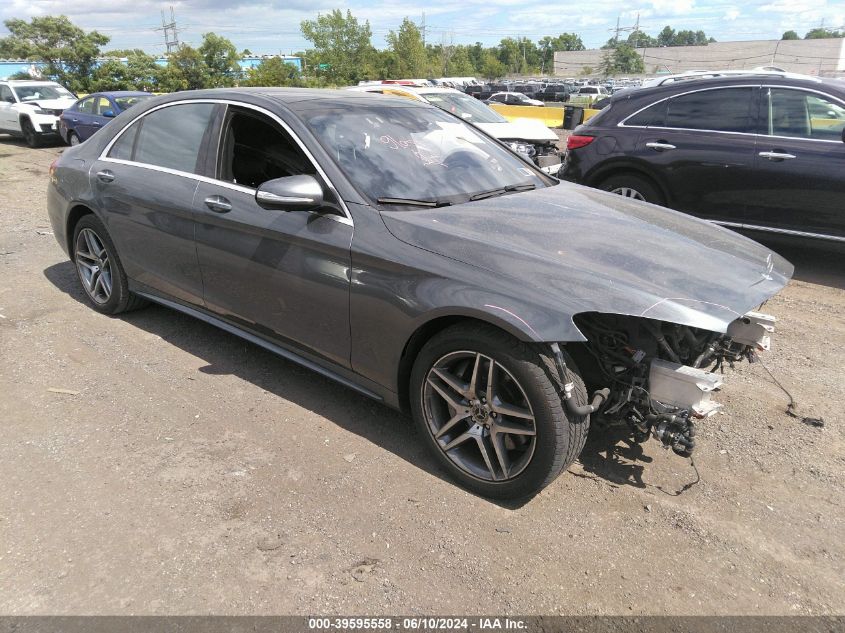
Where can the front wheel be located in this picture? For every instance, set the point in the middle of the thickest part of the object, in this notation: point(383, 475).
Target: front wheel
point(29, 134)
point(491, 415)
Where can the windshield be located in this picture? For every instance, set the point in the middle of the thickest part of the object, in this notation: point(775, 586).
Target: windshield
point(464, 106)
point(416, 153)
point(125, 103)
point(42, 91)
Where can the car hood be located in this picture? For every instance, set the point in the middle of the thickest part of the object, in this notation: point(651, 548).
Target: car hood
point(519, 130)
point(51, 104)
point(584, 250)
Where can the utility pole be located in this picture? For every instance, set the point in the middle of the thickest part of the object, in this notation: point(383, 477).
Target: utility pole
point(616, 39)
point(423, 28)
point(171, 32)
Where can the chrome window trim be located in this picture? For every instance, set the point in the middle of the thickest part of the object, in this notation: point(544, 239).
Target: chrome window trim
point(346, 219)
point(690, 129)
point(772, 229)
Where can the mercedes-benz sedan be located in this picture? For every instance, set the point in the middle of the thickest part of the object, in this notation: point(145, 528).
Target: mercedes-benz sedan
point(391, 247)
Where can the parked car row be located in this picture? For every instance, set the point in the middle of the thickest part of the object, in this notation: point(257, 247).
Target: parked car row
point(38, 111)
point(393, 247)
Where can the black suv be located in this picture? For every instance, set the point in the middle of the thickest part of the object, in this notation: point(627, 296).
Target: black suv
point(758, 152)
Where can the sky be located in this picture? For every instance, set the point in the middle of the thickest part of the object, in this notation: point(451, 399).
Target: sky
point(272, 26)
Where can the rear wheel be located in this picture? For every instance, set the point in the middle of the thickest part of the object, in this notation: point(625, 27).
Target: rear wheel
point(633, 186)
point(73, 139)
point(29, 134)
point(99, 269)
point(491, 415)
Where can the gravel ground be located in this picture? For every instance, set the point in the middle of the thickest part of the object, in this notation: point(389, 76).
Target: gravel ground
point(185, 471)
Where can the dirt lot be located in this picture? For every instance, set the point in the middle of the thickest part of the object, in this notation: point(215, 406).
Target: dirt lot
point(190, 472)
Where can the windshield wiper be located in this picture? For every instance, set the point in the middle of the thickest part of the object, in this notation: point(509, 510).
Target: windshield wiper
point(414, 203)
point(502, 191)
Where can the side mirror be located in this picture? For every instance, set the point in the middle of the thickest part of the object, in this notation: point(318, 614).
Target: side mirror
point(108, 113)
point(292, 193)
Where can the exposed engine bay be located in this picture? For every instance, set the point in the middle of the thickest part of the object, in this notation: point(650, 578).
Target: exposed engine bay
point(658, 377)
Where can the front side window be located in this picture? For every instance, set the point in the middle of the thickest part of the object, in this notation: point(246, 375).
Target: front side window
point(417, 153)
point(801, 114)
point(170, 137)
point(722, 110)
point(255, 149)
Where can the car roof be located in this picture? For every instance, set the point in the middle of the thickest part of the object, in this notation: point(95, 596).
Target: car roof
point(120, 93)
point(297, 98)
point(701, 82)
point(27, 82)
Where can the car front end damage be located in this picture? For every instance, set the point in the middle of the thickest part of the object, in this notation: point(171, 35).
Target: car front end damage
point(656, 377)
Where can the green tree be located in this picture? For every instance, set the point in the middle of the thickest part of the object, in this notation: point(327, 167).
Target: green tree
point(139, 72)
point(68, 53)
point(186, 70)
point(816, 34)
point(492, 68)
point(666, 37)
point(623, 59)
point(790, 35)
point(341, 43)
point(408, 47)
point(460, 64)
point(221, 60)
point(273, 71)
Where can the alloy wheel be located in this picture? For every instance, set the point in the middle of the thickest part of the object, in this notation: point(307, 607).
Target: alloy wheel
point(73, 139)
point(628, 192)
point(93, 266)
point(479, 416)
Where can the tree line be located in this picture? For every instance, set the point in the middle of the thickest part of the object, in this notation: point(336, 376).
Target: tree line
point(341, 53)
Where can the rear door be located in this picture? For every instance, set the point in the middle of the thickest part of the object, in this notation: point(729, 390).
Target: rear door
point(146, 184)
point(701, 145)
point(799, 182)
point(284, 274)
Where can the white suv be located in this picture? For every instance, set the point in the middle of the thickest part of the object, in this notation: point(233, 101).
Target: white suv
point(31, 108)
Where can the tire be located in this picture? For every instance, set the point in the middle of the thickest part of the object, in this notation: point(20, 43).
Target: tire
point(522, 385)
point(633, 186)
point(29, 134)
point(94, 255)
point(73, 138)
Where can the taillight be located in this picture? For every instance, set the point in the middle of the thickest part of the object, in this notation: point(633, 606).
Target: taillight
point(575, 141)
point(53, 170)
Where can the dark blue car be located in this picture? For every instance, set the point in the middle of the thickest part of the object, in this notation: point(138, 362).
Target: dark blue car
point(90, 113)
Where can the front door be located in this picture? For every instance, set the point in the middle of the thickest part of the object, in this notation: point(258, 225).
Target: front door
point(798, 183)
point(284, 274)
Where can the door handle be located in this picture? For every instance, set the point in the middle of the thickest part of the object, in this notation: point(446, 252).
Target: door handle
point(777, 156)
point(105, 175)
point(659, 146)
point(75, 120)
point(96, 124)
point(218, 204)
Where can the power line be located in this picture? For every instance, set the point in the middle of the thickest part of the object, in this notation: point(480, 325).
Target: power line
point(171, 32)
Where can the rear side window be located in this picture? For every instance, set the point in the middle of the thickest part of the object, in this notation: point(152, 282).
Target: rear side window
point(86, 106)
point(723, 110)
point(171, 137)
point(125, 145)
point(654, 115)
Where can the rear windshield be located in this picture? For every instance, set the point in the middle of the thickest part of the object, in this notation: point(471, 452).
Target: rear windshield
point(127, 102)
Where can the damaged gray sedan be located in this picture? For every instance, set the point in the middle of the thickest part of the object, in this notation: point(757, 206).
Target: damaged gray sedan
point(407, 255)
